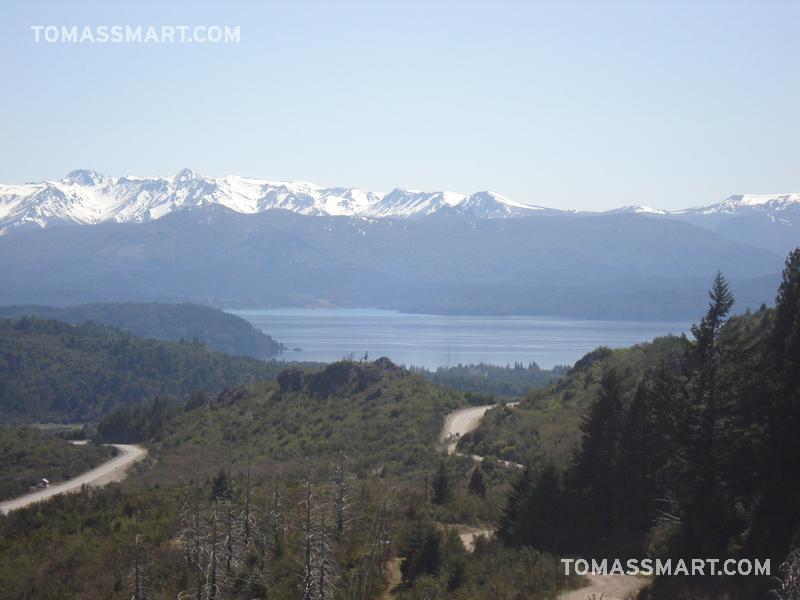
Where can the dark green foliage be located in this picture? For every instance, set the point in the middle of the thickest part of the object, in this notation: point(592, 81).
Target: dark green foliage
point(778, 413)
point(27, 455)
point(133, 424)
point(534, 514)
point(701, 460)
point(383, 418)
point(516, 511)
point(477, 482)
point(592, 476)
point(508, 381)
point(219, 330)
point(51, 371)
point(221, 488)
point(644, 451)
point(422, 551)
point(442, 485)
point(546, 425)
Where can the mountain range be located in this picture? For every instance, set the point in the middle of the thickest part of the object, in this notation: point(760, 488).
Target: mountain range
point(243, 243)
point(85, 197)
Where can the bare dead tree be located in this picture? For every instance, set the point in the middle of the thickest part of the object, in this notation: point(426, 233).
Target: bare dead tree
point(248, 520)
point(230, 545)
point(277, 519)
point(212, 585)
point(307, 582)
point(373, 555)
point(342, 502)
point(138, 579)
point(325, 564)
point(211, 578)
point(789, 581)
point(191, 529)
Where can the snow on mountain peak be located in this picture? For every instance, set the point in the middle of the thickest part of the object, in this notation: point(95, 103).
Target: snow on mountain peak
point(86, 197)
point(747, 203)
point(186, 175)
point(84, 177)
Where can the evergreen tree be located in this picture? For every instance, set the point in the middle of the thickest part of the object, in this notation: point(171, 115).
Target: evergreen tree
point(545, 524)
point(703, 372)
point(593, 480)
point(221, 488)
point(477, 482)
point(442, 490)
point(510, 531)
point(639, 461)
point(785, 337)
point(534, 514)
point(704, 517)
point(777, 516)
point(422, 551)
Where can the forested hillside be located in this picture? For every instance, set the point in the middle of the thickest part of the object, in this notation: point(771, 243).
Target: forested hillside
point(333, 478)
point(328, 479)
point(685, 453)
point(28, 455)
point(493, 380)
point(545, 425)
point(52, 371)
point(170, 322)
point(381, 415)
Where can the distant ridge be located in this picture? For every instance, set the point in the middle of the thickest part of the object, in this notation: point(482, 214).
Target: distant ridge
point(86, 197)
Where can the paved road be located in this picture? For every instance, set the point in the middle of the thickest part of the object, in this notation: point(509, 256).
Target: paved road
point(111, 470)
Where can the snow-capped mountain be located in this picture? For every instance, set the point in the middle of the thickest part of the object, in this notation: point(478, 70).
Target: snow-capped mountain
point(776, 207)
point(87, 197)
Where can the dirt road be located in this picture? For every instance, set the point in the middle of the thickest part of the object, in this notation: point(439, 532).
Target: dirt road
point(111, 470)
point(465, 420)
point(608, 587)
point(460, 422)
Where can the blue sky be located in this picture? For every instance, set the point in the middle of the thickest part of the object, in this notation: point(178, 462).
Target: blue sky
point(584, 105)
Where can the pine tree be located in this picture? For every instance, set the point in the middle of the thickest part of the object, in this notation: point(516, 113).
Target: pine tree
point(544, 526)
point(703, 362)
point(593, 475)
point(220, 488)
point(442, 490)
point(704, 518)
point(511, 531)
point(477, 482)
point(778, 513)
point(422, 552)
point(639, 461)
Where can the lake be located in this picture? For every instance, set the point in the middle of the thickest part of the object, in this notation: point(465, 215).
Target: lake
point(432, 341)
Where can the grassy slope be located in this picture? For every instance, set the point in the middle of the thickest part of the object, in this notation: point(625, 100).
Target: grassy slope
point(27, 455)
point(546, 424)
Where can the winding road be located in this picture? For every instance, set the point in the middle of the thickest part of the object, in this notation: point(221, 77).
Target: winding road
point(607, 587)
point(460, 422)
point(110, 471)
point(465, 420)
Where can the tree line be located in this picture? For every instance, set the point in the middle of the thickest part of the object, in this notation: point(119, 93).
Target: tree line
point(702, 462)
